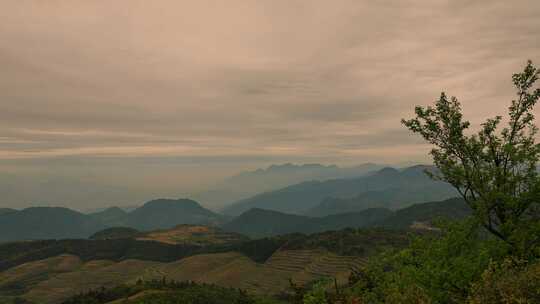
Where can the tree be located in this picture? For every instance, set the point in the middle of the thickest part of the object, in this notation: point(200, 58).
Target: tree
point(494, 170)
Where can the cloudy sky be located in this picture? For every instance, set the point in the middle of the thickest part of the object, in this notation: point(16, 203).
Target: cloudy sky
point(117, 101)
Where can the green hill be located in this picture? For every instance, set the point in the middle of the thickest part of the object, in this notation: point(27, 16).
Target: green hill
point(45, 223)
point(167, 213)
point(364, 218)
point(260, 222)
point(454, 208)
point(61, 223)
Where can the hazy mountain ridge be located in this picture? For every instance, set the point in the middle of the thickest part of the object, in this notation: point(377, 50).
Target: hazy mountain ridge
point(453, 208)
point(392, 198)
point(61, 223)
point(167, 213)
point(263, 223)
point(46, 223)
point(259, 222)
point(386, 188)
point(302, 198)
point(250, 183)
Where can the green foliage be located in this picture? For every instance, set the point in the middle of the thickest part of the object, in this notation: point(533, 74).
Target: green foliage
point(317, 294)
point(496, 174)
point(509, 282)
point(437, 269)
point(352, 242)
point(494, 171)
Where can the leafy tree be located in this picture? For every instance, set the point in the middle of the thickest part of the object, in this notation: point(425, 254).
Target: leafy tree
point(317, 294)
point(433, 269)
point(494, 170)
point(508, 282)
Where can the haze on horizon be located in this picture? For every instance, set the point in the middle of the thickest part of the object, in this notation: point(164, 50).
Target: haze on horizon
point(115, 102)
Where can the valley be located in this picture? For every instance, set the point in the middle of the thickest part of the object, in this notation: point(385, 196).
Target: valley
point(262, 250)
point(300, 259)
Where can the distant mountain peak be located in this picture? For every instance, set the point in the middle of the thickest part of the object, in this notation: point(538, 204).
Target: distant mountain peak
point(254, 211)
point(171, 202)
point(388, 171)
point(289, 166)
point(166, 213)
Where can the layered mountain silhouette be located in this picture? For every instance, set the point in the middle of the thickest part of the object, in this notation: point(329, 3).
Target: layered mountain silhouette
point(260, 223)
point(454, 208)
point(306, 207)
point(392, 198)
point(249, 183)
point(387, 187)
point(167, 213)
point(46, 223)
point(61, 223)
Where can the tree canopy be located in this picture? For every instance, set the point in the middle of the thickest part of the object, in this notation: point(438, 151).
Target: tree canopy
point(494, 169)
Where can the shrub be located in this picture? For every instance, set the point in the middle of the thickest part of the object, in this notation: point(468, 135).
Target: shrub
point(433, 269)
point(509, 282)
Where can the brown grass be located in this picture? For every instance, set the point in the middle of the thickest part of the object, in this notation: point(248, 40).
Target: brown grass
point(229, 269)
point(189, 234)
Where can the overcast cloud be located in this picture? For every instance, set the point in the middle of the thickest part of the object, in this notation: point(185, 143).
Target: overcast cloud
point(174, 94)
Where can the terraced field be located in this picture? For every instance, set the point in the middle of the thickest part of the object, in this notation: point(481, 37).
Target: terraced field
point(54, 279)
point(302, 267)
point(88, 276)
point(193, 234)
point(18, 280)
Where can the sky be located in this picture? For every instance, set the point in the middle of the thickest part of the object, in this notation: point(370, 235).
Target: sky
point(112, 102)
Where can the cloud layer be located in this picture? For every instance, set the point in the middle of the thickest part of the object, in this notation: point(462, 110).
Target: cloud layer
point(260, 81)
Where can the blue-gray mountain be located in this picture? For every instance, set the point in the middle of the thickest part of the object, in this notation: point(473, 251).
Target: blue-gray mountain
point(61, 223)
point(46, 223)
point(261, 223)
point(388, 187)
point(249, 183)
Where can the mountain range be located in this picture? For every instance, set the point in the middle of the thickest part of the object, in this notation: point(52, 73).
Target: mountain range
point(46, 223)
point(387, 187)
point(263, 223)
point(61, 223)
point(250, 183)
point(307, 207)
